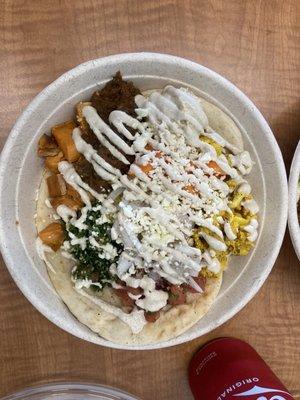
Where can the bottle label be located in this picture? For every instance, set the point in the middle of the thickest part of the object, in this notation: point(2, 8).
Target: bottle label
point(237, 391)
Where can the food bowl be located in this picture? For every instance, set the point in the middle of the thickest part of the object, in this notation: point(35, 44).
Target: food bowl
point(294, 178)
point(20, 175)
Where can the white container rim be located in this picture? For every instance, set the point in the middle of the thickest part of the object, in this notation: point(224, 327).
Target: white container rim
point(293, 219)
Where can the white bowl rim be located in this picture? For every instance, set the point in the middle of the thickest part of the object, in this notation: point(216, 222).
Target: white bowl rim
point(72, 74)
point(293, 220)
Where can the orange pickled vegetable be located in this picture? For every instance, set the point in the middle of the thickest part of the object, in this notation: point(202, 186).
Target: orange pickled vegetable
point(67, 201)
point(52, 162)
point(190, 188)
point(63, 135)
point(218, 170)
point(148, 147)
point(158, 153)
point(56, 185)
point(145, 168)
point(47, 146)
point(53, 235)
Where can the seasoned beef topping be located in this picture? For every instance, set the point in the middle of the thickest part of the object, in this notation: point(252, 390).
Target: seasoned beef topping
point(88, 175)
point(117, 94)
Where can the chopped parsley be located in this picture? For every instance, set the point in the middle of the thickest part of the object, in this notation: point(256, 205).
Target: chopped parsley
point(100, 251)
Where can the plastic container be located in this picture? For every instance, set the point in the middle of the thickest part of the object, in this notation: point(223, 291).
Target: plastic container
point(70, 391)
point(293, 220)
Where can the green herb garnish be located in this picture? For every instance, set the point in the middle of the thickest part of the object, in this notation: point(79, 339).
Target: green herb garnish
point(91, 262)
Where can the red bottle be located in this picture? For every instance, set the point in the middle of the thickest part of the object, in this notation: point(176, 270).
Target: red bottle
point(230, 369)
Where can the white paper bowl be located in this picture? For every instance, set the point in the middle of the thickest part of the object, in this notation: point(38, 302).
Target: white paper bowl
point(20, 173)
point(293, 188)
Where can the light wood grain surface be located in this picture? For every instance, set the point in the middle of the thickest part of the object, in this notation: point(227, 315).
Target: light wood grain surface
point(255, 44)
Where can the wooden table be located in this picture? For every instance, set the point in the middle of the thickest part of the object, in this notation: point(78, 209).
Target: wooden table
point(255, 44)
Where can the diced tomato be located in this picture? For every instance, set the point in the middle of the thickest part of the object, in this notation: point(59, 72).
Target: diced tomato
point(200, 280)
point(218, 170)
point(177, 295)
point(123, 295)
point(132, 290)
point(161, 283)
point(151, 316)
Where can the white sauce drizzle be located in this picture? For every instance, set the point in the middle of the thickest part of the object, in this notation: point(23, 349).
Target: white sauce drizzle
point(213, 242)
point(228, 231)
point(212, 264)
point(100, 128)
point(119, 118)
point(251, 205)
point(65, 213)
point(101, 167)
point(244, 188)
point(251, 228)
point(208, 223)
point(154, 299)
point(135, 320)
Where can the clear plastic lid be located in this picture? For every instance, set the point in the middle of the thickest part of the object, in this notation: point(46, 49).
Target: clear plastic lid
point(70, 391)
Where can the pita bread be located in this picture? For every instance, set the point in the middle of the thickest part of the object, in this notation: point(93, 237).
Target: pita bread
point(173, 321)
